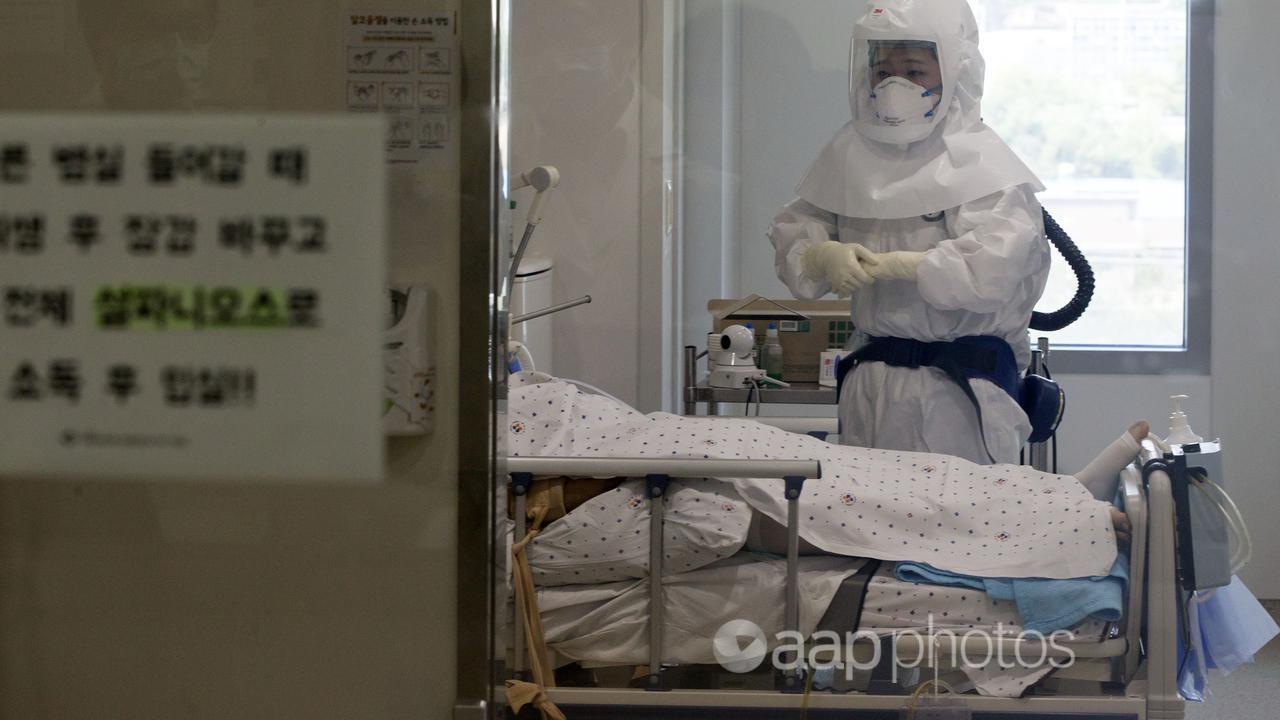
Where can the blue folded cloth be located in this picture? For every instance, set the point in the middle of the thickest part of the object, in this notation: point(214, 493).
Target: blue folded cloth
point(1045, 605)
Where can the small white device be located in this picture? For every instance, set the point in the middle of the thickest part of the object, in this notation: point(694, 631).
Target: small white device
point(731, 356)
point(409, 387)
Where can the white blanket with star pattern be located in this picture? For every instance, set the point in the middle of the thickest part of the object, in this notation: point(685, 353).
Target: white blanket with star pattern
point(990, 521)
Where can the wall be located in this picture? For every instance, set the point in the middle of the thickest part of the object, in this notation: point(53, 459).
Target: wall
point(1100, 407)
point(1246, 326)
point(156, 600)
point(575, 104)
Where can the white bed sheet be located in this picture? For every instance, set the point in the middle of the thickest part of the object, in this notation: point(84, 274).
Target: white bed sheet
point(990, 521)
point(608, 624)
point(606, 539)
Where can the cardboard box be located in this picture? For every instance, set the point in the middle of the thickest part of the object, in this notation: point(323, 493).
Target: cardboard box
point(805, 328)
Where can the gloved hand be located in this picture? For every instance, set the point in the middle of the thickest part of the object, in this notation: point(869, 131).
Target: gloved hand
point(896, 265)
point(840, 264)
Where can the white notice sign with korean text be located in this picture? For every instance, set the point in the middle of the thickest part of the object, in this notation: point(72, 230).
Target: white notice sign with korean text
point(190, 297)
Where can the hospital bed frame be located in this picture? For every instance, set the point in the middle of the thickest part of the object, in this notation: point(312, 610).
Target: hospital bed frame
point(1143, 662)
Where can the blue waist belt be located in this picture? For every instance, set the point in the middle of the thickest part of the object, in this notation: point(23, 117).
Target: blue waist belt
point(980, 356)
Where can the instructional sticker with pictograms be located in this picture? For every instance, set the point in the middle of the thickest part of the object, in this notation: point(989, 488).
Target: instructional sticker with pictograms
point(403, 66)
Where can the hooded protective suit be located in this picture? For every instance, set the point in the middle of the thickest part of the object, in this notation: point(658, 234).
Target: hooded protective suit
point(923, 175)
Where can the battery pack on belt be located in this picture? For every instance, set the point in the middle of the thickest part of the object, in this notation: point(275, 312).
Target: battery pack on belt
point(982, 356)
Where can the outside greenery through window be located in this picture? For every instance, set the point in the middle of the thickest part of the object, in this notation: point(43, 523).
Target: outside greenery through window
point(1092, 95)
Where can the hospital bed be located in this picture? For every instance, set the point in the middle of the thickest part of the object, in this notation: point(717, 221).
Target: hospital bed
point(1128, 671)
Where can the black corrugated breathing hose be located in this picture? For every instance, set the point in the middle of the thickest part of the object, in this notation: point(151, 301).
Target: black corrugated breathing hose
point(1069, 313)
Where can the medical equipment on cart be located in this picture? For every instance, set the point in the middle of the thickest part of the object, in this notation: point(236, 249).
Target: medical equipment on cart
point(731, 356)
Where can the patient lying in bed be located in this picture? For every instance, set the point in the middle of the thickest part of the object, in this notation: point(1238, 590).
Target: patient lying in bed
point(991, 521)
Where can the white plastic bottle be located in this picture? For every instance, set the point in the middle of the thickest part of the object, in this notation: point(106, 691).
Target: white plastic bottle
point(773, 353)
point(756, 344)
point(1180, 432)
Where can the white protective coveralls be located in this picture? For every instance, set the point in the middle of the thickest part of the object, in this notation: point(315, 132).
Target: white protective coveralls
point(948, 187)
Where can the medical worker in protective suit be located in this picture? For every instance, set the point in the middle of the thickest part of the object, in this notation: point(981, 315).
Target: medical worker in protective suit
point(920, 213)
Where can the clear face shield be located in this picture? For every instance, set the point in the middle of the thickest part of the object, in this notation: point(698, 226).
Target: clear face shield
point(897, 85)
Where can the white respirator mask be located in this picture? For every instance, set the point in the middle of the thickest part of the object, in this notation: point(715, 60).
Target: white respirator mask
point(898, 101)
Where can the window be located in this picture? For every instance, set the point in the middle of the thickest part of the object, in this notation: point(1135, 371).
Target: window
point(1092, 94)
point(1108, 101)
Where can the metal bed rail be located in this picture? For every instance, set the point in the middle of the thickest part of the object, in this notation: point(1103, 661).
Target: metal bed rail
point(658, 473)
point(1163, 699)
point(1135, 506)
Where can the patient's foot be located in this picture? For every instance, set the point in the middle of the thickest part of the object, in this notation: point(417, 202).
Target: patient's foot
point(1140, 430)
point(1101, 475)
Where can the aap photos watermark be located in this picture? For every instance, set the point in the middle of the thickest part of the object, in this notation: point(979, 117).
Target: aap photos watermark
point(740, 646)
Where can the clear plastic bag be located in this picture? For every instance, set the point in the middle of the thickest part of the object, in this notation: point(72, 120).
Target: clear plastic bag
point(1235, 626)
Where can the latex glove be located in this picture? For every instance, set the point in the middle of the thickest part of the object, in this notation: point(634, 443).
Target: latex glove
point(896, 265)
point(840, 264)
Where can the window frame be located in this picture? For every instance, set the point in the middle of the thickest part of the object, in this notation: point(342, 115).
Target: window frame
point(1195, 356)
